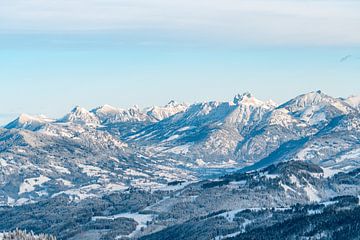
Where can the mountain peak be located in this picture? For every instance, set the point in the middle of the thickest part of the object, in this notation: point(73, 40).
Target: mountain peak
point(271, 103)
point(29, 122)
point(78, 109)
point(353, 101)
point(26, 118)
point(314, 94)
point(308, 99)
point(171, 103)
point(317, 108)
point(23, 118)
point(106, 108)
point(159, 113)
point(80, 115)
point(247, 99)
point(135, 107)
point(240, 97)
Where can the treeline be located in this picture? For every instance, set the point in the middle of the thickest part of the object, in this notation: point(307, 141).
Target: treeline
point(339, 221)
point(24, 235)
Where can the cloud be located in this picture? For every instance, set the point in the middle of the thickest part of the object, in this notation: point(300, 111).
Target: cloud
point(348, 58)
point(257, 21)
point(345, 58)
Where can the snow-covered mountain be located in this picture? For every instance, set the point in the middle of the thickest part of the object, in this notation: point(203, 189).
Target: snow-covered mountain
point(317, 108)
point(240, 132)
point(29, 122)
point(231, 169)
point(86, 153)
point(353, 101)
point(159, 113)
point(108, 114)
point(77, 155)
point(210, 130)
point(80, 115)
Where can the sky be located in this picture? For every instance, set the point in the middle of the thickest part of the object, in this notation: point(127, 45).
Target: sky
point(55, 54)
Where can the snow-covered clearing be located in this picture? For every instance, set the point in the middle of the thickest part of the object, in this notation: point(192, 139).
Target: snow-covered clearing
point(29, 184)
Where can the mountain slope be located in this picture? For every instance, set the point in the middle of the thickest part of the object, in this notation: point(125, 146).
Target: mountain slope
point(210, 130)
point(80, 115)
point(234, 204)
point(91, 153)
point(28, 122)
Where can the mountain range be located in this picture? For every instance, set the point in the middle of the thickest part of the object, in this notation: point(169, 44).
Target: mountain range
point(160, 170)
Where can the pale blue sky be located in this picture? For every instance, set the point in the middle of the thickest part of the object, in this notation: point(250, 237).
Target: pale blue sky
point(57, 54)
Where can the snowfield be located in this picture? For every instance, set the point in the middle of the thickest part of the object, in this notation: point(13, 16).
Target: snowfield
point(29, 184)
